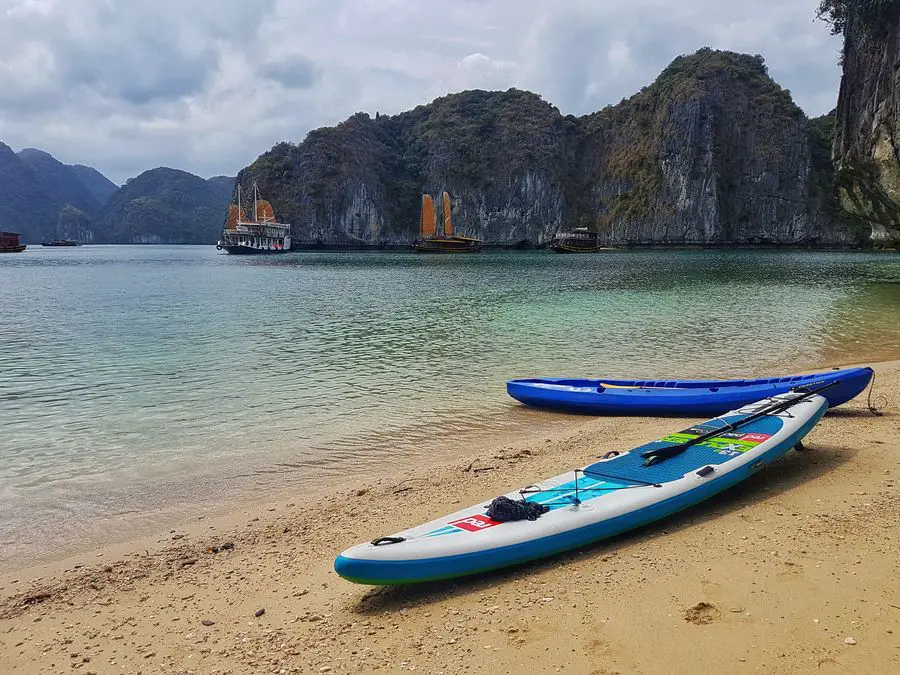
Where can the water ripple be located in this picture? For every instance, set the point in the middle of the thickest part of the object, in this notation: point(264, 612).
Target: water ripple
point(136, 378)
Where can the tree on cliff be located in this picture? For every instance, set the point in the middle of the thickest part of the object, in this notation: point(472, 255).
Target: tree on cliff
point(876, 14)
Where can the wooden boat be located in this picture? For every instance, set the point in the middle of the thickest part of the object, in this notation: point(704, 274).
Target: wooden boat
point(676, 398)
point(60, 242)
point(431, 242)
point(9, 243)
point(579, 240)
point(258, 234)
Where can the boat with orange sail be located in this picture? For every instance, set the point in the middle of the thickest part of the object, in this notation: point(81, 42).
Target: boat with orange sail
point(430, 241)
point(261, 234)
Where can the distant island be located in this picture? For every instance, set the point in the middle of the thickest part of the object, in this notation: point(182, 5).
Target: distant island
point(713, 153)
point(44, 199)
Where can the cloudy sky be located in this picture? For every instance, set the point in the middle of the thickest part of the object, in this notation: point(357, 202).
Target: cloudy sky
point(207, 85)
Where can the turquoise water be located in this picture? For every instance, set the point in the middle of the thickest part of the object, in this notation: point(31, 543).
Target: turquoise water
point(147, 380)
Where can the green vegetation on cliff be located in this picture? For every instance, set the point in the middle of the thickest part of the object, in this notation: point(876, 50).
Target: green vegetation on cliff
point(166, 206)
point(867, 125)
point(26, 204)
point(712, 152)
point(875, 15)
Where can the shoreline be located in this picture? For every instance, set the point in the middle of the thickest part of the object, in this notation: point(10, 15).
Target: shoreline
point(118, 531)
point(778, 572)
point(147, 526)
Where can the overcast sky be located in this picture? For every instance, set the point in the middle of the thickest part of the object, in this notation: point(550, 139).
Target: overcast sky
point(208, 85)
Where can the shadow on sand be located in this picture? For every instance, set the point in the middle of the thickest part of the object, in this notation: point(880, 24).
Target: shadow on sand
point(790, 471)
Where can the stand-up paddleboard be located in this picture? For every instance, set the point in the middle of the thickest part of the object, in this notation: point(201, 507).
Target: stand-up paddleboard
point(676, 398)
point(618, 493)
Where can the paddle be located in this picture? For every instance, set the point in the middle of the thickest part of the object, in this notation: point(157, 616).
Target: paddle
point(660, 454)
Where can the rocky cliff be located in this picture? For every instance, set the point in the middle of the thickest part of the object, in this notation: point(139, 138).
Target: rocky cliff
point(867, 126)
point(166, 206)
point(25, 205)
point(42, 198)
point(712, 153)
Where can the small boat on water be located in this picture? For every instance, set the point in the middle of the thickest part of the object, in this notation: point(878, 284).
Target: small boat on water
point(431, 242)
point(60, 242)
point(624, 490)
point(675, 398)
point(259, 234)
point(579, 240)
point(9, 243)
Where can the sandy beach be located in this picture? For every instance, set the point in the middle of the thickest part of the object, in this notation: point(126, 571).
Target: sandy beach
point(795, 571)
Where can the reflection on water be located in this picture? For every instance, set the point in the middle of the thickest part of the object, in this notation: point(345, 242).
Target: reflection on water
point(136, 378)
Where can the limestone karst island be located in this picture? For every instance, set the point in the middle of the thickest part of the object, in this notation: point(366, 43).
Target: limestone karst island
point(574, 347)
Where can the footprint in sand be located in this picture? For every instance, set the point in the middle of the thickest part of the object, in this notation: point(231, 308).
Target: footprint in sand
point(701, 613)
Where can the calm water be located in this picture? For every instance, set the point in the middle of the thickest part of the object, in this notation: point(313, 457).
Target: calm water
point(141, 380)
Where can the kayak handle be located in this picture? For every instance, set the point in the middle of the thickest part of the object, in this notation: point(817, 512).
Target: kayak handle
point(387, 540)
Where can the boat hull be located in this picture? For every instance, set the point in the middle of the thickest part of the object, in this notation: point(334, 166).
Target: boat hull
point(14, 249)
point(447, 245)
point(432, 249)
point(675, 398)
point(612, 496)
point(249, 250)
point(575, 249)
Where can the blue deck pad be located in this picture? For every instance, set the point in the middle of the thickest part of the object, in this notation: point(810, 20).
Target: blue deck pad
point(564, 495)
point(630, 466)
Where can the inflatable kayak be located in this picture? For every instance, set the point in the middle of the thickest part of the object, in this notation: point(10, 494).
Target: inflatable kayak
point(620, 492)
point(676, 398)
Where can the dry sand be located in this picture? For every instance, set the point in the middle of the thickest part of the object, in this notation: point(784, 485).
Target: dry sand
point(794, 571)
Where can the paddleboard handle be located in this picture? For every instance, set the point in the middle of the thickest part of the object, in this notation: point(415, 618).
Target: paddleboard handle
point(381, 541)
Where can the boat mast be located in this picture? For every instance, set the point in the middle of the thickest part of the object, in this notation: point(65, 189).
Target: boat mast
point(239, 203)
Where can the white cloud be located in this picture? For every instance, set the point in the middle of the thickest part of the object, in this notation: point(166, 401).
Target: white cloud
point(479, 71)
point(126, 85)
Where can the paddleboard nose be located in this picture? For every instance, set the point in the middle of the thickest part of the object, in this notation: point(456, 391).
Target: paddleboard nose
point(357, 570)
point(344, 566)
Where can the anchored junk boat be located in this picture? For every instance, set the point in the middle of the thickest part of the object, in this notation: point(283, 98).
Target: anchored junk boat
point(431, 242)
point(579, 240)
point(261, 234)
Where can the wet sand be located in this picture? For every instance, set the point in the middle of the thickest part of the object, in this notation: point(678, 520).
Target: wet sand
point(795, 571)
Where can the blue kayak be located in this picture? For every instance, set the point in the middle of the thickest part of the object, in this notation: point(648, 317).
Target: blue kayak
point(676, 398)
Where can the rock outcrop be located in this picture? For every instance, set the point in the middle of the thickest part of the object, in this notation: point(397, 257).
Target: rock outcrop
point(166, 206)
point(712, 153)
point(867, 131)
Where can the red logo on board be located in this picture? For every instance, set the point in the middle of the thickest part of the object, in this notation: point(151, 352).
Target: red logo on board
point(474, 523)
point(756, 438)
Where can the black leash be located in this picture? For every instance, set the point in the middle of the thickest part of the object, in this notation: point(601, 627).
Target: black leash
point(660, 454)
point(873, 408)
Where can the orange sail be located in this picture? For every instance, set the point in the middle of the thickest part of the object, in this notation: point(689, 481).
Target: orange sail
point(448, 226)
point(428, 220)
point(264, 211)
point(231, 222)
